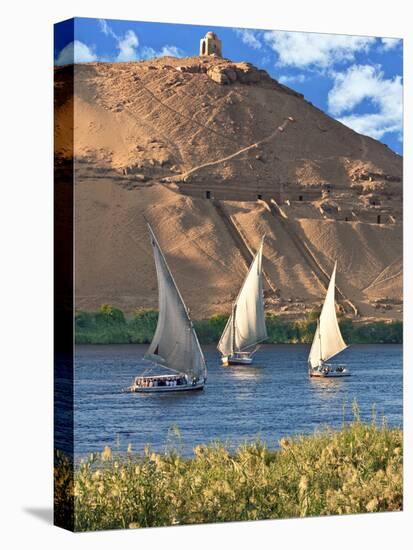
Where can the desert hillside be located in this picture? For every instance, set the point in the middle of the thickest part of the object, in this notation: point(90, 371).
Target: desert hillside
point(214, 154)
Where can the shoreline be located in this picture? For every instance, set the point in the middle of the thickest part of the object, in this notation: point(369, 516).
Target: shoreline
point(213, 345)
point(110, 326)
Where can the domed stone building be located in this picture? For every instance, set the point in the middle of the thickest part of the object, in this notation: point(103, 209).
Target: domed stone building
point(210, 45)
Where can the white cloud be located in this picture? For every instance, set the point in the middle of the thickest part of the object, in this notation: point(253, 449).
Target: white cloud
point(172, 51)
point(374, 125)
point(76, 52)
point(291, 79)
point(126, 44)
point(149, 53)
point(249, 37)
point(365, 82)
point(106, 29)
point(127, 47)
point(301, 49)
point(390, 43)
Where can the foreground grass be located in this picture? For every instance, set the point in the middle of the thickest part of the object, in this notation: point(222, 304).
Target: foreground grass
point(357, 469)
point(109, 326)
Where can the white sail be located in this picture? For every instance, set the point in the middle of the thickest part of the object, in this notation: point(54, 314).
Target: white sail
point(246, 326)
point(327, 339)
point(175, 344)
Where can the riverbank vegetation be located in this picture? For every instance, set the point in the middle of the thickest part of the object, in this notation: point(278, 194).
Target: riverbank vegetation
point(109, 325)
point(355, 470)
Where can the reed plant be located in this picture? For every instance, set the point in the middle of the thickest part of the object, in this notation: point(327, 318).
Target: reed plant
point(357, 469)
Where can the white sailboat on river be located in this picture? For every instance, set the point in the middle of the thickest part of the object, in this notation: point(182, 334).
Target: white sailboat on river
point(175, 345)
point(328, 341)
point(245, 328)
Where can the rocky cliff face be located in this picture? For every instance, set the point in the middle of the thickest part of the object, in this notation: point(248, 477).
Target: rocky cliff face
point(215, 153)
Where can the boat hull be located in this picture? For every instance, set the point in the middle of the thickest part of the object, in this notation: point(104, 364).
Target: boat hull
point(236, 360)
point(165, 384)
point(330, 375)
point(329, 372)
point(166, 389)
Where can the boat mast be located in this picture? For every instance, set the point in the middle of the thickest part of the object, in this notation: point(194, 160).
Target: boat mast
point(319, 336)
point(234, 309)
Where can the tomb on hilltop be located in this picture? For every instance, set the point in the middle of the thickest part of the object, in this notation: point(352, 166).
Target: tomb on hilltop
point(210, 45)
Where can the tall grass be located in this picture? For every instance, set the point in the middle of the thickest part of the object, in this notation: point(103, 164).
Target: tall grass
point(109, 326)
point(356, 469)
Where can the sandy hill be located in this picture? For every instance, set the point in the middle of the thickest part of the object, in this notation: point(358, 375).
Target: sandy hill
point(214, 154)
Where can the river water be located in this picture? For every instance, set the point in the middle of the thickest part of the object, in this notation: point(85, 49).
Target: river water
point(271, 399)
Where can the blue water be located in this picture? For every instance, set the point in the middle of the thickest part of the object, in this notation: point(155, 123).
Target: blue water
point(271, 399)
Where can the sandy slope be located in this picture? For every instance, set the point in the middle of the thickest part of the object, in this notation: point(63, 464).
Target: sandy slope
point(114, 262)
point(151, 137)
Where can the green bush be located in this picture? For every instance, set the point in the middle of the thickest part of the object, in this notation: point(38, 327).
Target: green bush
point(109, 326)
point(143, 325)
point(109, 315)
point(313, 315)
point(84, 320)
point(281, 332)
point(209, 330)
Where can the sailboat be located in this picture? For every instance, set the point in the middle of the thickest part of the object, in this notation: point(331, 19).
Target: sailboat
point(175, 346)
point(245, 328)
point(328, 341)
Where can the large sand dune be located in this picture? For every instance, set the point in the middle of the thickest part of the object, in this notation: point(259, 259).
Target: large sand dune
point(151, 138)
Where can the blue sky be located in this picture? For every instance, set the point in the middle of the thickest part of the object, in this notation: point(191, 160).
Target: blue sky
point(355, 79)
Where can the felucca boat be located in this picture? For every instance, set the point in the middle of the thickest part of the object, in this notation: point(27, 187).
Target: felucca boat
point(175, 347)
point(328, 341)
point(245, 329)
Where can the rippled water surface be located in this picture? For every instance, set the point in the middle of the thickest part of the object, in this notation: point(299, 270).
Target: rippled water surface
point(270, 399)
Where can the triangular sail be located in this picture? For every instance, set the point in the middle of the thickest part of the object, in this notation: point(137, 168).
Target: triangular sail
point(327, 339)
point(246, 326)
point(175, 344)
